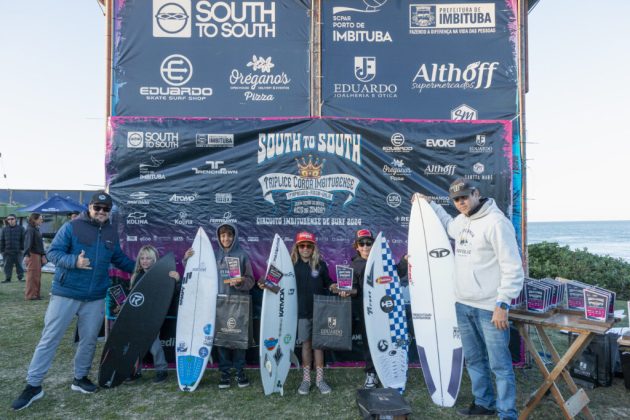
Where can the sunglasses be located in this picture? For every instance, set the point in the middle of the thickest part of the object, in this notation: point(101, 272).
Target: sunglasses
point(365, 243)
point(307, 246)
point(458, 199)
point(101, 208)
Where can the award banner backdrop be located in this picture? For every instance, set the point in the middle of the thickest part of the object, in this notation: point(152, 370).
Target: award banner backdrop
point(327, 176)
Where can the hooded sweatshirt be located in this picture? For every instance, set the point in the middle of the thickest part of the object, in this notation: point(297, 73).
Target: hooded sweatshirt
point(488, 267)
point(234, 251)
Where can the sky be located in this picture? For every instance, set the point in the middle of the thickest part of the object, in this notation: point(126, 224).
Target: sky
point(52, 103)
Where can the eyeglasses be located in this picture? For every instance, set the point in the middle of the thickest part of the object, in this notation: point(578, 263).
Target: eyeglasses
point(101, 208)
point(458, 199)
point(365, 243)
point(307, 246)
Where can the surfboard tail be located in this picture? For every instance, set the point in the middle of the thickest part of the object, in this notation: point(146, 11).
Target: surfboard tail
point(189, 371)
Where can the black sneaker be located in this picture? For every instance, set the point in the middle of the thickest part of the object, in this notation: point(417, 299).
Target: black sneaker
point(242, 380)
point(30, 394)
point(83, 385)
point(22, 280)
point(160, 376)
point(224, 382)
point(476, 410)
point(5, 281)
point(133, 377)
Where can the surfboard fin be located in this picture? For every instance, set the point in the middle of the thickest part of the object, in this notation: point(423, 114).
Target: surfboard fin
point(295, 360)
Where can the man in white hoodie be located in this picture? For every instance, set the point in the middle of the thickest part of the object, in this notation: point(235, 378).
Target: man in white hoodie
point(488, 275)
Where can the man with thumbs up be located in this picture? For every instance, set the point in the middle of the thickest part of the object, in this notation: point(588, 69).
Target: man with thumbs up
point(82, 251)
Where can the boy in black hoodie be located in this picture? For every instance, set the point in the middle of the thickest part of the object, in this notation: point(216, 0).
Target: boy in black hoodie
point(229, 247)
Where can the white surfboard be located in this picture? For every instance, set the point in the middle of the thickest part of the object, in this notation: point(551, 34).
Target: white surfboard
point(385, 320)
point(431, 286)
point(196, 315)
point(278, 322)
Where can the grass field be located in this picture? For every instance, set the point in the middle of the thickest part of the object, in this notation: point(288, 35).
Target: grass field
point(21, 324)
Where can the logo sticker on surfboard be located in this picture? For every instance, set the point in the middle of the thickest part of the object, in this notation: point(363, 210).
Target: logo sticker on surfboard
point(439, 252)
point(387, 304)
point(270, 343)
point(136, 299)
point(384, 280)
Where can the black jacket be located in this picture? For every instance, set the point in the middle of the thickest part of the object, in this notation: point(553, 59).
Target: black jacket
point(310, 283)
point(358, 271)
point(33, 241)
point(12, 240)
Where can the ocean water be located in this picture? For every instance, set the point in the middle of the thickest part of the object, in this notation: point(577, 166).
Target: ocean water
point(602, 238)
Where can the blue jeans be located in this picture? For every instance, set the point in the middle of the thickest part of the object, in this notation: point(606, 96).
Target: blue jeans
point(486, 349)
point(231, 358)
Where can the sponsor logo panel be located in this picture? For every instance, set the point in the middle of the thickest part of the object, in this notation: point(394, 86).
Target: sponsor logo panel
point(481, 145)
point(176, 71)
point(149, 170)
point(214, 167)
point(152, 140)
point(261, 83)
point(397, 141)
point(396, 170)
point(365, 71)
point(449, 19)
point(214, 140)
point(463, 112)
point(477, 75)
point(214, 19)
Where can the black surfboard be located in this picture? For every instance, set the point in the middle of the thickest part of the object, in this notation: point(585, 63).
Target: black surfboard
point(138, 323)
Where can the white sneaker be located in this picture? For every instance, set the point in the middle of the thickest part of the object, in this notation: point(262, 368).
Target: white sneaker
point(371, 381)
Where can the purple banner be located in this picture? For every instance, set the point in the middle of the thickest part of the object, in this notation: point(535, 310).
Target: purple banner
point(328, 176)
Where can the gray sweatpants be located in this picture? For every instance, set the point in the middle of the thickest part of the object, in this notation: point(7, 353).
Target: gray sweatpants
point(159, 359)
point(60, 313)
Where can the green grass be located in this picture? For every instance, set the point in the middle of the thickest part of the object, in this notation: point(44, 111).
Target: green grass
point(21, 324)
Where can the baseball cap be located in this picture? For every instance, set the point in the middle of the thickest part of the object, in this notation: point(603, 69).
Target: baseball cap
point(460, 188)
point(101, 197)
point(363, 234)
point(304, 237)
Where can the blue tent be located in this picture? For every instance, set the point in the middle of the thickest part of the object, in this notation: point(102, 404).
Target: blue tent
point(55, 205)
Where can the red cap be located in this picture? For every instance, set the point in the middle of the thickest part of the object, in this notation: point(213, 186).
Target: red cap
point(304, 237)
point(362, 234)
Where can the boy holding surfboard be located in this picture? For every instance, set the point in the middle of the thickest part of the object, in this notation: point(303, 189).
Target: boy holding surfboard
point(488, 275)
point(235, 278)
point(311, 274)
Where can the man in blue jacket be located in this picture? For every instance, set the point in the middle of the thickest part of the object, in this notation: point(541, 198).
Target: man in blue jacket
point(82, 251)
